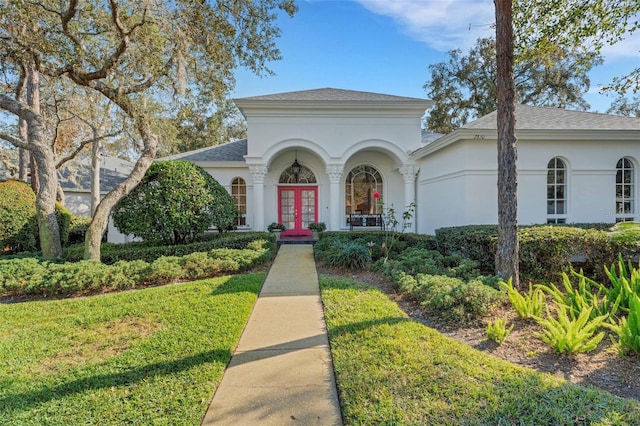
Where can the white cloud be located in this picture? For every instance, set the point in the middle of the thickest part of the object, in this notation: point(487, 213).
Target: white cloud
point(442, 24)
point(457, 24)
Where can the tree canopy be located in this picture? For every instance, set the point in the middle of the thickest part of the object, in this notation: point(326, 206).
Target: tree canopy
point(465, 87)
point(547, 27)
point(132, 53)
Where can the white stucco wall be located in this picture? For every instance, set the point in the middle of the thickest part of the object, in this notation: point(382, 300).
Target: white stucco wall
point(457, 184)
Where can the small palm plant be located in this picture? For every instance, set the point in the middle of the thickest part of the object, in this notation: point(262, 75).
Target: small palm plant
point(570, 334)
point(527, 305)
point(498, 331)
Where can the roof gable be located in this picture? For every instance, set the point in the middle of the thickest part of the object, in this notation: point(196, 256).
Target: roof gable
point(329, 94)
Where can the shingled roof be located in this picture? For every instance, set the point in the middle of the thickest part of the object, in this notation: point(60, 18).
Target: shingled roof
point(231, 151)
point(77, 176)
point(329, 94)
point(546, 118)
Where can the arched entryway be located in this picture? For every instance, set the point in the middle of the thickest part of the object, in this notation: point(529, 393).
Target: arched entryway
point(297, 199)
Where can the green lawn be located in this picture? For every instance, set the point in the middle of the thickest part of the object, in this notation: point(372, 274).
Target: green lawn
point(394, 371)
point(152, 356)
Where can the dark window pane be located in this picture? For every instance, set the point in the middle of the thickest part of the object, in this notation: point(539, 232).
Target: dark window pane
point(551, 207)
point(560, 208)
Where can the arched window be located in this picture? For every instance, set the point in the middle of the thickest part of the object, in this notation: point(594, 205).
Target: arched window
point(625, 188)
point(556, 191)
point(301, 175)
point(361, 187)
point(239, 194)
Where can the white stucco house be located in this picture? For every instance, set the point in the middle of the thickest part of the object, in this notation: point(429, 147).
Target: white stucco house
point(326, 155)
point(75, 180)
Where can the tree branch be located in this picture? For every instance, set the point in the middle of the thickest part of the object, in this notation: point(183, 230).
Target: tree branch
point(80, 147)
point(13, 140)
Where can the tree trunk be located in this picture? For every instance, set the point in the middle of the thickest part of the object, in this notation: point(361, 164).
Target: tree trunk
point(23, 159)
point(507, 255)
point(44, 174)
point(100, 220)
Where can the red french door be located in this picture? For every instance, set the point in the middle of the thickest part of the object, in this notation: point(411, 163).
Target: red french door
point(297, 208)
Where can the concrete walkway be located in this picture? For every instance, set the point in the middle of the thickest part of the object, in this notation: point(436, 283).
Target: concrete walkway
point(281, 372)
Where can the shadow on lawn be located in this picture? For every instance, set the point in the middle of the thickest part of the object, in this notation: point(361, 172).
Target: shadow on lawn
point(30, 399)
point(251, 283)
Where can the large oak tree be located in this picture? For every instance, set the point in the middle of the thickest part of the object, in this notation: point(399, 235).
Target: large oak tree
point(129, 52)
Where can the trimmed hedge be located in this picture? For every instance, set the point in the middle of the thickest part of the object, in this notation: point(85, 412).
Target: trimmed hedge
point(545, 251)
point(148, 251)
point(17, 217)
point(404, 240)
point(36, 277)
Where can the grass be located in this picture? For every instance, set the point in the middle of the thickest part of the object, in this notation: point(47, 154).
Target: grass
point(626, 232)
point(147, 357)
point(394, 371)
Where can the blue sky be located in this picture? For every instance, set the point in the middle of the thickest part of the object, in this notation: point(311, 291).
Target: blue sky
point(386, 46)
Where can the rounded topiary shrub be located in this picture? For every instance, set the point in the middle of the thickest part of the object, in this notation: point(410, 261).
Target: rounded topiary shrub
point(223, 208)
point(17, 217)
point(174, 202)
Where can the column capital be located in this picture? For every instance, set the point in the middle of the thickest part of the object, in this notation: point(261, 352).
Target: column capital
point(335, 172)
point(258, 172)
point(409, 172)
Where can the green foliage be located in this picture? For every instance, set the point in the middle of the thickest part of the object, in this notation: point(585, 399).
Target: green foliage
point(318, 227)
point(571, 334)
point(452, 298)
point(421, 261)
point(582, 296)
point(17, 217)
point(151, 357)
point(32, 276)
point(391, 233)
point(528, 305)
point(624, 282)
point(391, 370)
point(150, 251)
point(223, 207)
point(628, 328)
point(464, 87)
point(173, 203)
point(273, 226)
point(545, 251)
point(77, 229)
point(498, 331)
point(63, 216)
point(476, 242)
point(346, 254)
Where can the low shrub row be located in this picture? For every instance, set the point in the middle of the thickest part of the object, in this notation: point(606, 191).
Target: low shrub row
point(149, 252)
point(376, 242)
point(545, 251)
point(31, 276)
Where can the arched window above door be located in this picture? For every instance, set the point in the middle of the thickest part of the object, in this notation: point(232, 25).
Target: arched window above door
point(304, 175)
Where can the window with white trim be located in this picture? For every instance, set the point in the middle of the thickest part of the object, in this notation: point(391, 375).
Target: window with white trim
point(556, 191)
point(363, 189)
point(239, 194)
point(625, 190)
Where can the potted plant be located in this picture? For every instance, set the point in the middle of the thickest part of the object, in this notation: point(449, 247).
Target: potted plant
point(316, 228)
point(276, 228)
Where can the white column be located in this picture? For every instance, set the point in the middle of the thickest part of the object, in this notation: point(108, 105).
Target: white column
point(409, 173)
point(258, 172)
point(335, 174)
